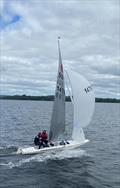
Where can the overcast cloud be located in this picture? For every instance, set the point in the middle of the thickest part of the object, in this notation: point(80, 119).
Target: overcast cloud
point(90, 39)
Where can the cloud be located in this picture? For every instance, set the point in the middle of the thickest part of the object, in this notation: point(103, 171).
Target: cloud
point(7, 17)
point(90, 44)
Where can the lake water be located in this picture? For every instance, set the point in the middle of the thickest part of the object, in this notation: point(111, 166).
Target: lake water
point(94, 165)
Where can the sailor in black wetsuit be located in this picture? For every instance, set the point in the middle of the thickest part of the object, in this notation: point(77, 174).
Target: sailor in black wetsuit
point(37, 141)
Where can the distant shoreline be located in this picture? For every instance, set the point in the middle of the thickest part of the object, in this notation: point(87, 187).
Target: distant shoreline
point(51, 98)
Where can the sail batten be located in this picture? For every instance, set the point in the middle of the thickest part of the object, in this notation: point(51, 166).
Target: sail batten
point(57, 126)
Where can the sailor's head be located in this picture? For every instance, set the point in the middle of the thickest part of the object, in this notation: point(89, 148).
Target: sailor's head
point(44, 131)
point(39, 134)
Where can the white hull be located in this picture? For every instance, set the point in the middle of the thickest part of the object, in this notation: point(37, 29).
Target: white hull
point(35, 150)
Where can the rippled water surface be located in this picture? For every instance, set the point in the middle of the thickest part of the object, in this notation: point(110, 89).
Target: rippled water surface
point(94, 165)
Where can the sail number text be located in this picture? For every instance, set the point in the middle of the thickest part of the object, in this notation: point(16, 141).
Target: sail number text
point(88, 89)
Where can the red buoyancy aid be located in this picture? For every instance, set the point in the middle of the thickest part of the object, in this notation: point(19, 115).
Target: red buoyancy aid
point(44, 136)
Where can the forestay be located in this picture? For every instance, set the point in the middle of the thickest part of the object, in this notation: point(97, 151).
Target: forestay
point(57, 126)
point(83, 104)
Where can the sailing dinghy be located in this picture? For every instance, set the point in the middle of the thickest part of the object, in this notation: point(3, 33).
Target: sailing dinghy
point(83, 101)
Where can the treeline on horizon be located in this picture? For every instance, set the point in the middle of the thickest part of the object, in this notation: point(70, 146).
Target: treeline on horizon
point(51, 98)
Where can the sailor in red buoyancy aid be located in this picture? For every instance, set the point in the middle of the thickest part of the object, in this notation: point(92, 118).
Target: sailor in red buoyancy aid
point(44, 138)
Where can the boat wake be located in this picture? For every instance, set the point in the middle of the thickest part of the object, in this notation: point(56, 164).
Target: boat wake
point(8, 150)
point(61, 155)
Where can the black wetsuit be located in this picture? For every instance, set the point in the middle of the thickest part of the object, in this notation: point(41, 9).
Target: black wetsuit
point(37, 141)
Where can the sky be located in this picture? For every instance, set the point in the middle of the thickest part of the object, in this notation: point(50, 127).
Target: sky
point(90, 44)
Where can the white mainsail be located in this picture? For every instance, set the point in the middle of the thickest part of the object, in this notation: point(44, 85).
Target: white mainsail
point(57, 126)
point(83, 104)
